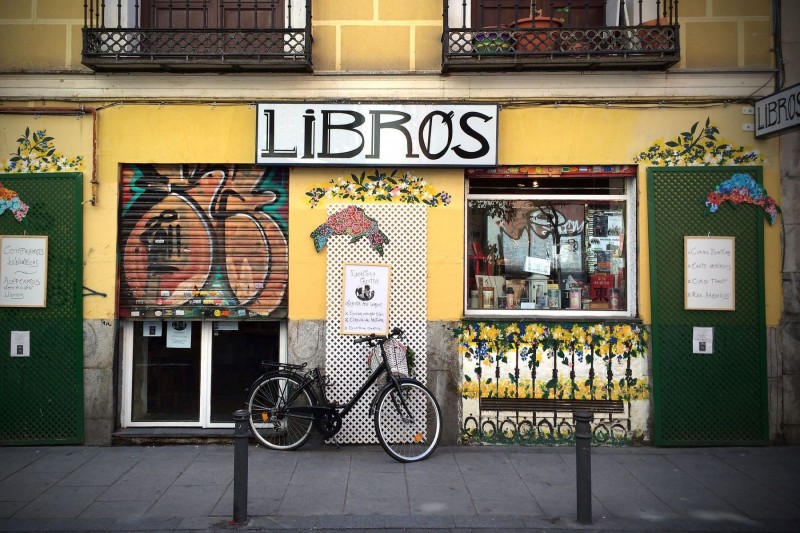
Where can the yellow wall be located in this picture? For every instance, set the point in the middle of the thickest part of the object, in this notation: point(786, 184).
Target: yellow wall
point(377, 35)
point(226, 134)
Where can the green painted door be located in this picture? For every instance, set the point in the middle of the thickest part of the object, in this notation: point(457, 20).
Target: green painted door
point(717, 398)
point(41, 393)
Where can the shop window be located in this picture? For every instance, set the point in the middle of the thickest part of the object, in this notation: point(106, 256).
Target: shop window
point(193, 373)
point(559, 242)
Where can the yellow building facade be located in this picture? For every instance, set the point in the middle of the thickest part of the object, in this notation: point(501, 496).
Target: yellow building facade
point(604, 140)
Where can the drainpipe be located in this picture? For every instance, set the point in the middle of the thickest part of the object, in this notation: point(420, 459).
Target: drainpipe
point(65, 111)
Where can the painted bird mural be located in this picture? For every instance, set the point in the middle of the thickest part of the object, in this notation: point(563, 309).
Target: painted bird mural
point(351, 221)
point(9, 200)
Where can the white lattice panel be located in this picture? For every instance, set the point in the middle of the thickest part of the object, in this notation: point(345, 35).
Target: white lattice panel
point(346, 363)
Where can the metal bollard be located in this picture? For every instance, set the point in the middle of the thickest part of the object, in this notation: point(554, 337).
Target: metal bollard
point(241, 435)
point(583, 465)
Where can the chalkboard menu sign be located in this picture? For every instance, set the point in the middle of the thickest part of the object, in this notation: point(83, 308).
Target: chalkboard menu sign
point(23, 271)
point(710, 273)
point(365, 299)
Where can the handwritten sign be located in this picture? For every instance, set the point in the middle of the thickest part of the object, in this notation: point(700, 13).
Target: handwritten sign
point(710, 273)
point(23, 271)
point(365, 299)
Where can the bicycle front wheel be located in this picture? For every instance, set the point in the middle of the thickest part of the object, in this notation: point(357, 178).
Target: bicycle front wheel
point(408, 422)
point(269, 422)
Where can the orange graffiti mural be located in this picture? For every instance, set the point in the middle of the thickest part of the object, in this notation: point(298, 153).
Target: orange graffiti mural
point(203, 241)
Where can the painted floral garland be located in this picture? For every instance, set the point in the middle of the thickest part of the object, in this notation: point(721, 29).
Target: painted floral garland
point(36, 153)
point(743, 189)
point(697, 147)
point(380, 187)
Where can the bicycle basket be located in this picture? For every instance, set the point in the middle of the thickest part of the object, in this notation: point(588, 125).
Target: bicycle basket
point(395, 356)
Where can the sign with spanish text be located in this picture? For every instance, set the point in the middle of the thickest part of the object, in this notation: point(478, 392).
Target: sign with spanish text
point(455, 135)
point(365, 299)
point(23, 270)
point(778, 112)
point(710, 273)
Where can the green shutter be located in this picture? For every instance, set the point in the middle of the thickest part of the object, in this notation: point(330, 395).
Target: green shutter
point(719, 398)
point(41, 396)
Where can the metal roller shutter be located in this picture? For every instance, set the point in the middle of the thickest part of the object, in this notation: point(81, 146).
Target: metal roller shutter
point(203, 241)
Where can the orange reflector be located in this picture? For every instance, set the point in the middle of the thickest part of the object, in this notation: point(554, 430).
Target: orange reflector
point(264, 416)
point(418, 437)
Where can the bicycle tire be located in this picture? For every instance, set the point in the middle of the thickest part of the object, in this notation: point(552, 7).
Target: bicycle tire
point(408, 439)
point(265, 402)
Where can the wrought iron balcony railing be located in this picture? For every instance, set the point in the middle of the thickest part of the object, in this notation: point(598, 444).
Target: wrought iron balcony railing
point(484, 35)
point(197, 35)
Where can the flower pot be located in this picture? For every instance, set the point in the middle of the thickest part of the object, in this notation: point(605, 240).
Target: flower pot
point(654, 37)
point(492, 42)
point(535, 41)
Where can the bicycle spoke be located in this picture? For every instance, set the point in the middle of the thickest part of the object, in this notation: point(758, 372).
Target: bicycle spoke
point(408, 424)
point(269, 421)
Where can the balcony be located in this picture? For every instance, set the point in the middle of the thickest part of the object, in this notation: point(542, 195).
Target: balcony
point(494, 35)
point(197, 35)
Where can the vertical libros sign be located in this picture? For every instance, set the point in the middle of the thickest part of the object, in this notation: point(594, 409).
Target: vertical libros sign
point(365, 299)
point(710, 273)
point(23, 270)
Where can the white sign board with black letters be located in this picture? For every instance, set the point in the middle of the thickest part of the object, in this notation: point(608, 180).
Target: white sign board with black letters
point(365, 299)
point(450, 135)
point(710, 273)
point(23, 270)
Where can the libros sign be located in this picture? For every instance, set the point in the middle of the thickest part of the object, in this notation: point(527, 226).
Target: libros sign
point(778, 112)
point(376, 134)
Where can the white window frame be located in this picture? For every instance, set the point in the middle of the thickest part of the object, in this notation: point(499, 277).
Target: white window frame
point(631, 260)
point(206, 340)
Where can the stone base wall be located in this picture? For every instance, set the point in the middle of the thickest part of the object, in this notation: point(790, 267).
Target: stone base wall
point(99, 400)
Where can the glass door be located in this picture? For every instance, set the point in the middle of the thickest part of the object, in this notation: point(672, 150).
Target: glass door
point(237, 349)
point(193, 373)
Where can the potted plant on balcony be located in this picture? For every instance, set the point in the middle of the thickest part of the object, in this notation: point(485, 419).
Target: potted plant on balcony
point(535, 41)
point(492, 41)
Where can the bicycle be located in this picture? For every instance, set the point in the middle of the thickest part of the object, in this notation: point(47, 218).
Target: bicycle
point(286, 403)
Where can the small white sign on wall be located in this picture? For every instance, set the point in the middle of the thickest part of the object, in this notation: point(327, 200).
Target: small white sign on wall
point(365, 299)
point(20, 344)
point(702, 340)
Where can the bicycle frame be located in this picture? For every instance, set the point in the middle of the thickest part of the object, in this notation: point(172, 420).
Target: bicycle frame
point(317, 411)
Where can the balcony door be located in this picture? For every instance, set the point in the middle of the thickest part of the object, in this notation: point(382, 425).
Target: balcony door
point(496, 13)
point(202, 14)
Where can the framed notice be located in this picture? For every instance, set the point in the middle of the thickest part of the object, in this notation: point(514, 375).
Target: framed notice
point(365, 299)
point(709, 273)
point(23, 270)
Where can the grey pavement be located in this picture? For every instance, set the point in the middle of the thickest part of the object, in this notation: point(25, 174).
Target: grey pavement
point(460, 488)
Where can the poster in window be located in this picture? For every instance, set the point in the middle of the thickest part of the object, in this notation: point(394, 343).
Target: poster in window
point(151, 328)
point(365, 299)
point(179, 334)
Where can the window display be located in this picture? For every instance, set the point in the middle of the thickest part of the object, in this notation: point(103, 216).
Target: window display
point(549, 244)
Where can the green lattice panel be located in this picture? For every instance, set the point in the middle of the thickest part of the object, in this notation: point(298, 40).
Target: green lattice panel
point(717, 399)
point(41, 396)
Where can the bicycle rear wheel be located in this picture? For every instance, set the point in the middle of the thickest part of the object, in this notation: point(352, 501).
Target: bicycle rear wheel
point(408, 423)
point(267, 402)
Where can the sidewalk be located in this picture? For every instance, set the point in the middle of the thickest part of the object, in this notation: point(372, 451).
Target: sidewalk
point(477, 488)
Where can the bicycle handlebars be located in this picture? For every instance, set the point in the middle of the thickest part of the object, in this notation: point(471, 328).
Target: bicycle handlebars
point(396, 332)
